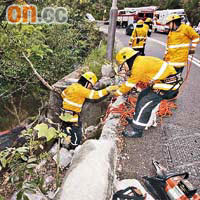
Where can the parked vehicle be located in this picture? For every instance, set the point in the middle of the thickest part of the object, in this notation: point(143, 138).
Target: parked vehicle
point(129, 16)
point(160, 17)
point(124, 16)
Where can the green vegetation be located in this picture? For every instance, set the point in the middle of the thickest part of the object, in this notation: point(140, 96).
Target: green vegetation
point(54, 50)
point(192, 9)
point(20, 164)
point(96, 59)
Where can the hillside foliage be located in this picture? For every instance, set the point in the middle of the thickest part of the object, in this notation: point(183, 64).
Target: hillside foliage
point(55, 51)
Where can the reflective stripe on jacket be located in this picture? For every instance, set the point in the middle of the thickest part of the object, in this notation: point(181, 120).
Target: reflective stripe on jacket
point(148, 69)
point(74, 96)
point(138, 37)
point(178, 44)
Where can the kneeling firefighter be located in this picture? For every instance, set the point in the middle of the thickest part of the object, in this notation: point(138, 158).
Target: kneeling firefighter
point(73, 99)
point(164, 84)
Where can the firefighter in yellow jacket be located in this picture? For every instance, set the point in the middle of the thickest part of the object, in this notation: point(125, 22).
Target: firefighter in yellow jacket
point(164, 84)
point(138, 37)
point(73, 99)
point(182, 40)
point(148, 25)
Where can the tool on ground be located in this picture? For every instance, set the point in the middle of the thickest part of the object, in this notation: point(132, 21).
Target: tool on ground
point(170, 186)
point(130, 193)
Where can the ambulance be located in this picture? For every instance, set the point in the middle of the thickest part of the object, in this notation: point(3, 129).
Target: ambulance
point(160, 18)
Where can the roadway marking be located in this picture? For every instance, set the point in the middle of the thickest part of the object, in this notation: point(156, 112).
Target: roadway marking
point(194, 60)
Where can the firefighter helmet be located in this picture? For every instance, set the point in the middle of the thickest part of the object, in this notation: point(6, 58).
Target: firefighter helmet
point(91, 77)
point(148, 20)
point(124, 54)
point(140, 22)
point(172, 17)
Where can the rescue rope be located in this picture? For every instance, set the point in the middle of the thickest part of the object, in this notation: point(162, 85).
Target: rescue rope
point(127, 109)
point(165, 108)
point(142, 85)
point(123, 110)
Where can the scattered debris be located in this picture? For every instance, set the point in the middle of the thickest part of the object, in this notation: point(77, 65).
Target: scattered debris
point(65, 158)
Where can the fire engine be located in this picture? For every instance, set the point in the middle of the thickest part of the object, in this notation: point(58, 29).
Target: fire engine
point(129, 16)
point(160, 17)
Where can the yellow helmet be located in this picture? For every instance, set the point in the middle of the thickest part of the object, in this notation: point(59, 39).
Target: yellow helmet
point(172, 17)
point(140, 22)
point(124, 54)
point(91, 77)
point(148, 20)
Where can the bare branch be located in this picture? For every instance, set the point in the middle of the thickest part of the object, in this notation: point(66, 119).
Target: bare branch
point(13, 112)
point(45, 83)
point(16, 90)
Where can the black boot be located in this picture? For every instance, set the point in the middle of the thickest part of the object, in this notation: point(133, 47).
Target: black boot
point(129, 120)
point(132, 132)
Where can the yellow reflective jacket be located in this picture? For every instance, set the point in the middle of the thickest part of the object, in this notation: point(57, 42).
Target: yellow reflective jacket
point(148, 69)
point(149, 29)
point(146, 27)
point(74, 97)
point(178, 45)
point(138, 37)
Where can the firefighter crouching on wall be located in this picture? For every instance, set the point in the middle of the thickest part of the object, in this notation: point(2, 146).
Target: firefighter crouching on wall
point(138, 37)
point(182, 40)
point(148, 25)
point(164, 84)
point(73, 99)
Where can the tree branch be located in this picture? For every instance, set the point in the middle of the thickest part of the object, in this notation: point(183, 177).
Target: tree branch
point(45, 83)
point(14, 112)
point(7, 3)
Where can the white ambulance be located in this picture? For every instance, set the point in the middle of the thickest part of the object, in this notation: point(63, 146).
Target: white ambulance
point(160, 18)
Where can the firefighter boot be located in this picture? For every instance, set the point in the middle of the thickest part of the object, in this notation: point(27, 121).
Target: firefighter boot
point(129, 120)
point(132, 132)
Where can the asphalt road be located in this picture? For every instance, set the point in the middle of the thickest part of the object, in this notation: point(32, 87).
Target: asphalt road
point(176, 142)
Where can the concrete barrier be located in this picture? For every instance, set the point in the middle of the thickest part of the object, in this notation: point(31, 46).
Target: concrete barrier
point(91, 173)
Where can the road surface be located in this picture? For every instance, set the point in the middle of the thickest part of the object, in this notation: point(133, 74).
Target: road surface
point(176, 142)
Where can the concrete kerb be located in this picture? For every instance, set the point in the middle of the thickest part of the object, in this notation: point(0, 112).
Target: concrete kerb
point(91, 174)
point(112, 122)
